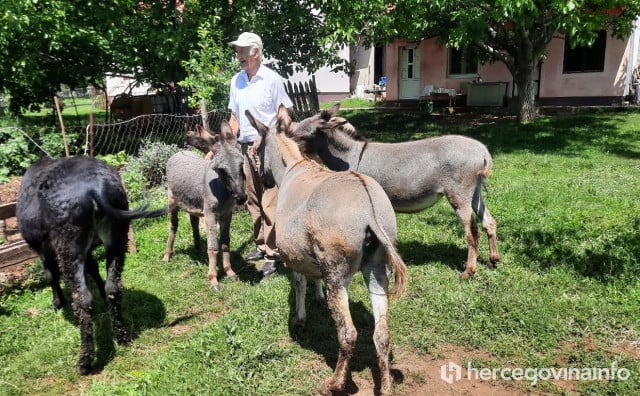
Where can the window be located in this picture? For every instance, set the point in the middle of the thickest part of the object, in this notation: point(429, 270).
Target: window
point(583, 59)
point(462, 62)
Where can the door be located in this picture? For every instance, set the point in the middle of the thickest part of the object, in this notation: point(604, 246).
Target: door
point(409, 87)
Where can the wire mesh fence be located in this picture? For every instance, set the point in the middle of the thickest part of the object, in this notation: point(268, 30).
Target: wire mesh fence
point(128, 135)
point(21, 145)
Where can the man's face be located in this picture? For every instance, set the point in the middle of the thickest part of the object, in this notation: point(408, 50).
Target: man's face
point(248, 62)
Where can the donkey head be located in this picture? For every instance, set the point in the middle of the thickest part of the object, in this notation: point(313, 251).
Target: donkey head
point(313, 134)
point(262, 161)
point(226, 157)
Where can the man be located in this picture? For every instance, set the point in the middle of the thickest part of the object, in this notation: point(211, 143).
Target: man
point(261, 91)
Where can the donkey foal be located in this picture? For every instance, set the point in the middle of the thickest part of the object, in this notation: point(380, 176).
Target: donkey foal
point(64, 208)
point(209, 188)
point(330, 225)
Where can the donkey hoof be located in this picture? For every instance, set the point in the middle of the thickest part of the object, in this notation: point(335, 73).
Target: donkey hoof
point(491, 263)
point(215, 288)
point(84, 368)
point(232, 278)
point(465, 275)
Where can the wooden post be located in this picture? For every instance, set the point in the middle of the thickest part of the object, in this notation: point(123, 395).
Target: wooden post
point(203, 114)
point(91, 133)
point(64, 135)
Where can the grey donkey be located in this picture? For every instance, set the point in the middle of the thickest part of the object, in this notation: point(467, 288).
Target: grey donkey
point(415, 174)
point(209, 188)
point(330, 225)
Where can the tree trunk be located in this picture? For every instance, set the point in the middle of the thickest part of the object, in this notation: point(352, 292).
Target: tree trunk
point(526, 101)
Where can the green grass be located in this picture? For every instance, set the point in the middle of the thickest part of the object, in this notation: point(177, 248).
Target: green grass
point(564, 192)
point(350, 103)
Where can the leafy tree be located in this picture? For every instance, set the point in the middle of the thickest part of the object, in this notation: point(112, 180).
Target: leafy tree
point(292, 32)
point(208, 68)
point(515, 33)
point(49, 43)
point(46, 44)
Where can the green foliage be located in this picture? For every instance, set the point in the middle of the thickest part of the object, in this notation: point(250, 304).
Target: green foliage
point(209, 68)
point(47, 44)
point(147, 169)
point(44, 45)
point(15, 153)
point(117, 160)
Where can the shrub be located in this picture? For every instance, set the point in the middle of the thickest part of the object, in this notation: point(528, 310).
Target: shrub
point(15, 153)
point(147, 169)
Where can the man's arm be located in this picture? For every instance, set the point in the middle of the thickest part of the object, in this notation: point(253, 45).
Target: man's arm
point(233, 122)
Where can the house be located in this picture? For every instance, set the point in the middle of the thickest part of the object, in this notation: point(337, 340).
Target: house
point(598, 75)
point(335, 85)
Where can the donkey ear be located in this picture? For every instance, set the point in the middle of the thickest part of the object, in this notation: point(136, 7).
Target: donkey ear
point(260, 127)
point(195, 139)
point(226, 133)
point(203, 132)
point(284, 119)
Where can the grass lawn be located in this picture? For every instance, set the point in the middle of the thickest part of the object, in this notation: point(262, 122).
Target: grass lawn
point(566, 294)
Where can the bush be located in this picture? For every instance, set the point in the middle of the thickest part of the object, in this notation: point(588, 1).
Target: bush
point(15, 153)
point(147, 170)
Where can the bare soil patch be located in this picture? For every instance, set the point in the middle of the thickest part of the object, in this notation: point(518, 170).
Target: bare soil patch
point(420, 375)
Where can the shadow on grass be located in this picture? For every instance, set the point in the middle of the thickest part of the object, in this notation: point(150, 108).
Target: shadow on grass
point(419, 253)
point(246, 271)
point(550, 249)
point(566, 134)
point(141, 311)
point(319, 334)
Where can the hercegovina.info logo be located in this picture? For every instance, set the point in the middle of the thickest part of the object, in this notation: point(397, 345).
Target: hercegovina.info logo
point(452, 372)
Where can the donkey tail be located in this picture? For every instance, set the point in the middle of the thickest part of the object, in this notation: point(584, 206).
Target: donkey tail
point(119, 214)
point(398, 265)
point(488, 164)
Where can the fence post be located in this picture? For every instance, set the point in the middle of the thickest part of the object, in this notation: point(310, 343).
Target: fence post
point(203, 114)
point(91, 133)
point(64, 135)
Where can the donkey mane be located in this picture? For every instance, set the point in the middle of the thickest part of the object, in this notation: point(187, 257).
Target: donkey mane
point(290, 152)
point(346, 128)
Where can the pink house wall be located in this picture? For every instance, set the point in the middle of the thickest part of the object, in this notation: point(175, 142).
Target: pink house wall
point(610, 82)
point(553, 83)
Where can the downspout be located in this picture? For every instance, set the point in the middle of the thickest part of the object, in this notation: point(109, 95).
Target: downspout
point(633, 55)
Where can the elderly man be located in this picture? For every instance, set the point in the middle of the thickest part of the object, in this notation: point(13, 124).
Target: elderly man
point(261, 91)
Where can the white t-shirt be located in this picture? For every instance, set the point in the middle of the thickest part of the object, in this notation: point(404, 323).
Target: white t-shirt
point(261, 96)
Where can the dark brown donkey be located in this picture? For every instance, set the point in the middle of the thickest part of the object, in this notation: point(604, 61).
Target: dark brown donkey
point(415, 175)
point(330, 225)
point(66, 207)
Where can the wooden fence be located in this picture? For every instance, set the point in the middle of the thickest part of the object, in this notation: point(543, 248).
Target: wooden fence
point(304, 96)
point(16, 252)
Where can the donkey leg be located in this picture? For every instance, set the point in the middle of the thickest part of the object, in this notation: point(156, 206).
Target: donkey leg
point(300, 287)
point(376, 277)
point(225, 240)
point(338, 301)
point(115, 252)
point(489, 225)
point(173, 228)
point(212, 249)
point(318, 292)
point(471, 230)
point(93, 269)
point(52, 274)
point(195, 230)
point(74, 274)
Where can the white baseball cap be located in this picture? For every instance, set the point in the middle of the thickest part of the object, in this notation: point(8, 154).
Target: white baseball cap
point(248, 39)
